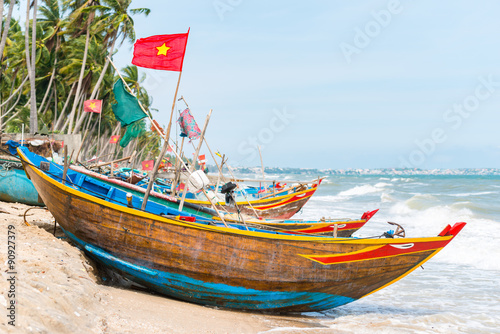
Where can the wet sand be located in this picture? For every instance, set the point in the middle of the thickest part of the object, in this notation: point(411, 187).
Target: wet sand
point(59, 290)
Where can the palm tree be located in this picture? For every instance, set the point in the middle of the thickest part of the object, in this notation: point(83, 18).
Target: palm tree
point(13, 73)
point(52, 22)
point(6, 24)
point(66, 64)
point(83, 13)
point(116, 23)
point(31, 63)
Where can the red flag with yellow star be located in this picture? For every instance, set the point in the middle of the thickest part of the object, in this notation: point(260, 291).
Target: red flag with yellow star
point(161, 52)
point(92, 106)
point(114, 139)
point(148, 164)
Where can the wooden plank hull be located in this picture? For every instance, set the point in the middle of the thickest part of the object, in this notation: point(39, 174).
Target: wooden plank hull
point(228, 267)
point(15, 186)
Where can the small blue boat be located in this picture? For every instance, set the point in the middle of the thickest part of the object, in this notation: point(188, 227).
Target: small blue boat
point(15, 185)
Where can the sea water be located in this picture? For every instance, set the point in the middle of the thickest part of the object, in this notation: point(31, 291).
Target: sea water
point(457, 291)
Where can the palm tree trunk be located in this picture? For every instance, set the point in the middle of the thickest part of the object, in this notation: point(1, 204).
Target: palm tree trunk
point(1, 13)
point(48, 88)
point(33, 112)
point(61, 116)
point(13, 94)
point(20, 109)
point(47, 106)
point(96, 87)
point(92, 141)
point(115, 131)
point(68, 121)
point(31, 64)
point(6, 25)
point(80, 81)
point(13, 105)
point(27, 44)
point(86, 127)
point(55, 107)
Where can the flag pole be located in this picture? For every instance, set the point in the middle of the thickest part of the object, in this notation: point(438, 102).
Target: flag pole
point(177, 168)
point(195, 158)
point(97, 152)
point(165, 146)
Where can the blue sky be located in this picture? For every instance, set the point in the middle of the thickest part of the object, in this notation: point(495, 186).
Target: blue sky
point(336, 84)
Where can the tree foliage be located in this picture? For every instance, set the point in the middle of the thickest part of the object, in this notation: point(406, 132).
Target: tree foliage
point(74, 39)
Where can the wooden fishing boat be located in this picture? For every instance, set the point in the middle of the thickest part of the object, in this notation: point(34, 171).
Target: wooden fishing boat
point(14, 185)
point(204, 262)
point(344, 227)
point(282, 204)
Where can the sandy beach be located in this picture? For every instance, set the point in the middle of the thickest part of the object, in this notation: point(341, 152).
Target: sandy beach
point(58, 290)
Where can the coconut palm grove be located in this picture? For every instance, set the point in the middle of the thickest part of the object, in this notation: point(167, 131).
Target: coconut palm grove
point(57, 59)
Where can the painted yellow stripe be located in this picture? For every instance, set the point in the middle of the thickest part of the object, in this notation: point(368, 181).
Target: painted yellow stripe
point(364, 250)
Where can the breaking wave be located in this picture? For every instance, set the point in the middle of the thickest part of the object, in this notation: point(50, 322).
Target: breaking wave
point(364, 190)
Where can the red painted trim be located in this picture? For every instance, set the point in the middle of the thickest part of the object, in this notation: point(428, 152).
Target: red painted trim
point(377, 252)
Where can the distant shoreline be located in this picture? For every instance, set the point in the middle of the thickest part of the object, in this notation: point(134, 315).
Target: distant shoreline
point(312, 172)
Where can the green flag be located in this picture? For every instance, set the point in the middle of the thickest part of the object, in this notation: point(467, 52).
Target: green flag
point(134, 130)
point(127, 109)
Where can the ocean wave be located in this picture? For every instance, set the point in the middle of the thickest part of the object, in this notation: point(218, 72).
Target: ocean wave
point(383, 184)
point(364, 190)
point(329, 182)
point(467, 205)
point(402, 179)
point(325, 198)
point(473, 246)
point(474, 194)
point(386, 198)
point(421, 201)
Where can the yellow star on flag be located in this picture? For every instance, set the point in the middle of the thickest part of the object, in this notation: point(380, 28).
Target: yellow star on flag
point(162, 50)
point(92, 106)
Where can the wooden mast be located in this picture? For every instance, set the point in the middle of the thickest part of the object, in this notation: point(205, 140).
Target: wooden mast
point(177, 168)
point(164, 149)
